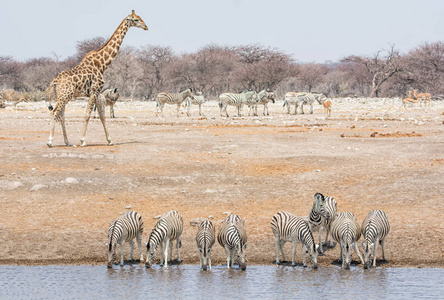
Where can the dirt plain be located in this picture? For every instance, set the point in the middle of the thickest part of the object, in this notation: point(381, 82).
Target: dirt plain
point(56, 203)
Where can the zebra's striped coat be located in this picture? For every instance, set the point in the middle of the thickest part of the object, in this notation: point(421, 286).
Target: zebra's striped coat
point(375, 228)
point(173, 98)
point(232, 236)
point(308, 98)
point(126, 228)
point(237, 100)
point(168, 229)
point(287, 227)
point(346, 231)
point(322, 215)
point(199, 99)
point(205, 238)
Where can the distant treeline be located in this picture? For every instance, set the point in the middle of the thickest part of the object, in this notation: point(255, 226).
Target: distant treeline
point(142, 73)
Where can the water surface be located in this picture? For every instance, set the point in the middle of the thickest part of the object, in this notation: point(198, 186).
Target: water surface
point(186, 281)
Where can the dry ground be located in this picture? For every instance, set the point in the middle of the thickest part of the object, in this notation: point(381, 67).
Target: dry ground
point(56, 203)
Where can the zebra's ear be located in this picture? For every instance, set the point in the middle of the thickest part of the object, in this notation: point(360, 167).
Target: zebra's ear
point(244, 247)
point(209, 250)
point(200, 250)
point(363, 246)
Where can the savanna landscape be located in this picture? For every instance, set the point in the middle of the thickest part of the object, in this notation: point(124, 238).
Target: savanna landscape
point(370, 154)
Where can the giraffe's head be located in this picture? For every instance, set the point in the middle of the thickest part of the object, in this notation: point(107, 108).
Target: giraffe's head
point(134, 20)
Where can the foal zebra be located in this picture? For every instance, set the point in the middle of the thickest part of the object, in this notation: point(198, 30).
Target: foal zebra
point(233, 238)
point(287, 227)
point(375, 228)
point(124, 229)
point(345, 230)
point(173, 98)
point(205, 238)
point(237, 100)
point(322, 215)
point(168, 229)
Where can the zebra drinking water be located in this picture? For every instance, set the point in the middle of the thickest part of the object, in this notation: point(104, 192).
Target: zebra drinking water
point(126, 228)
point(205, 238)
point(321, 216)
point(375, 228)
point(172, 98)
point(237, 100)
point(346, 231)
point(167, 229)
point(287, 227)
point(233, 238)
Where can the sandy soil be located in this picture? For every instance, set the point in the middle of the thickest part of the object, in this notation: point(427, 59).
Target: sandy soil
point(56, 203)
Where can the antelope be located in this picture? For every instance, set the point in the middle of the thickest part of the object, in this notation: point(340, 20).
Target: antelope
point(422, 96)
point(327, 106)
point(409, 99)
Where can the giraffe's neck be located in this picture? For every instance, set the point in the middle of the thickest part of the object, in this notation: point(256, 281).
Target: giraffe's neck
point(103, 57)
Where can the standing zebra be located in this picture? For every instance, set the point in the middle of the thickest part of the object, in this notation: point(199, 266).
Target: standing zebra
point(287, 227)
point(375, 228)
point(199, 99)
point(168, 229)
point(264, 101)
point(345, 230)
point(253, 103)
point(237, 100)
point(172, 98)
point(124, 229)
point(308, 98)
point(205, 238)
point(233, 238)
point(322, 215)
point(292, 98)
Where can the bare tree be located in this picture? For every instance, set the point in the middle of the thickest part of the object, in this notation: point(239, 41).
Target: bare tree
point(311, 75)
point(380, 67)
point(86, 46)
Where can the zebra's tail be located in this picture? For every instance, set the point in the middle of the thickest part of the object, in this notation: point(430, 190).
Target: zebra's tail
point(285, 103)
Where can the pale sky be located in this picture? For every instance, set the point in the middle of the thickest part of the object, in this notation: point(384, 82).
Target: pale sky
point(309, 31)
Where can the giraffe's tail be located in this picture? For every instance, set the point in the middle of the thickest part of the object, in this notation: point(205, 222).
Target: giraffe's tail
point(52, 87)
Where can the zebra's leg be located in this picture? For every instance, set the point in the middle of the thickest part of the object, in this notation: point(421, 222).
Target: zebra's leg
point(296, 108)
point(281, 246)
point(311, 109)
point(131, 250)
point(355, 246)
point(178, 244)
point(161, 247)
point(165, 254)
point(321, 249)
point(228, 253)
point(111, 110)
point(294, 253)
point(383, 249)
point(139, 245)
point(278, 246)
point(375, 248)
point(178, 108)
point(122, 250)
point(304, 249)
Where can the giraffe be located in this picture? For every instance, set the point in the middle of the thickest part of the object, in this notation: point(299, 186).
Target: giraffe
point(86, 80)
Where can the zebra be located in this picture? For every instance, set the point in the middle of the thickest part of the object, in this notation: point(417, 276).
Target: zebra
point(110, 97)
point(205, 238)
point(173, 98)
point(124, 229)
point(264, 101)
point(346, 231)
point(292, 98)
point(199, 99)
point(167, 229)
point(253, 103)
point(233, 238)
point(309, 98)
point(237, 100)
point(375, 228)
point(322, 214)
point(287, 227)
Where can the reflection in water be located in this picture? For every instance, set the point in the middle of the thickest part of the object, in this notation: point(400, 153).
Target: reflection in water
point(186, 281)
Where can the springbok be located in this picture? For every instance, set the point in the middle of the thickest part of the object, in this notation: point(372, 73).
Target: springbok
point(409, 99)
point(422, 96)
point(327, 107)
